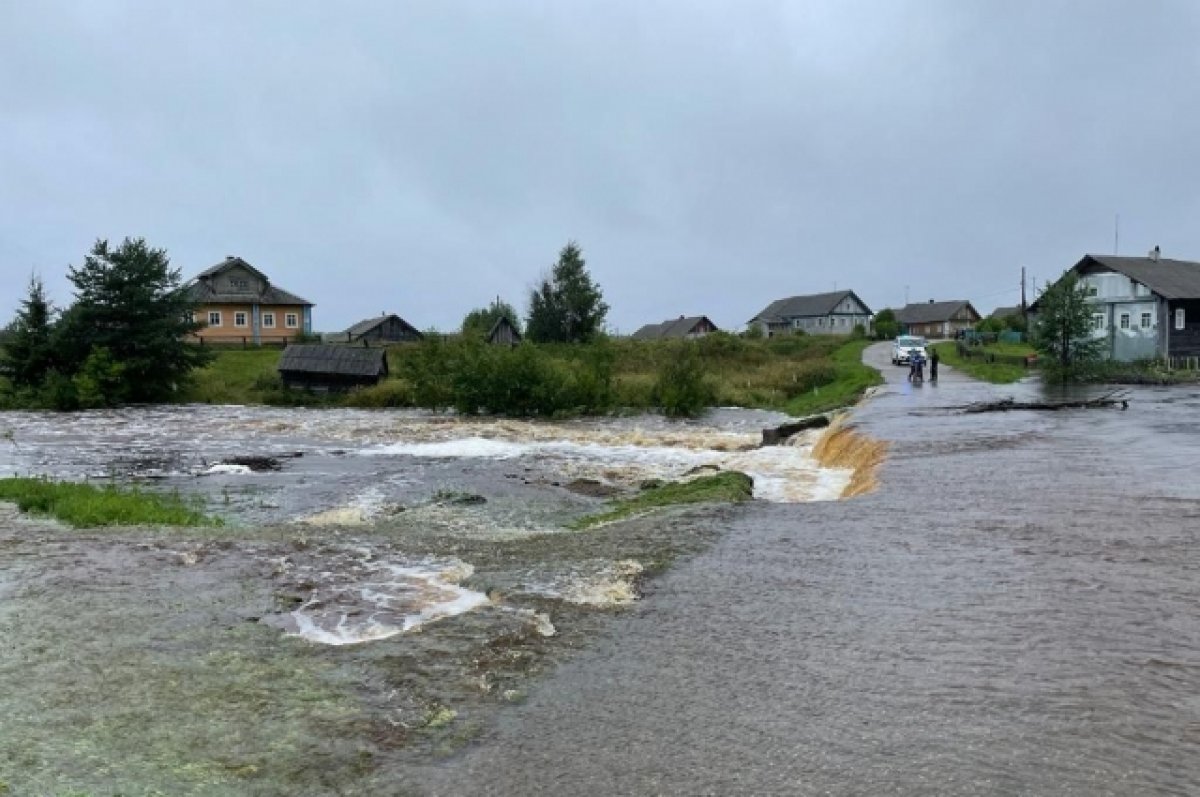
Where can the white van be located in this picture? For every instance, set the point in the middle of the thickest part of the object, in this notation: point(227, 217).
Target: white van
point(905, 346)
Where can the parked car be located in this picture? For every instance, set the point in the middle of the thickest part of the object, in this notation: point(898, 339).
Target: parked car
point(905, 346)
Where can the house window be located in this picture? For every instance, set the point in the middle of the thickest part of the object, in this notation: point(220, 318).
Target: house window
point(1098, 321)
point(1124, 320)
point(237, 282)
point(820, 322)
point(1146, 324)
point(291, 321)
point(1092, 290)
point(239, 318)
point(189, 316)
point(214, 318)
point(269, 320)
point(1180, 318)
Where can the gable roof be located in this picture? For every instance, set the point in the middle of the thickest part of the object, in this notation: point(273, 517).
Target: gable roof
point(1170, 279)
point(202, 289)
point(341, 360)
point(932, 312)
point(502, 321)
point(812, 305)
point(1005, 312)
point(367, 324)
point(671, 328)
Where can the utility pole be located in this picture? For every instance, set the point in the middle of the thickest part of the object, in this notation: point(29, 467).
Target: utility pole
point(1117, 234)
point(1022, 290)
point(906, 294)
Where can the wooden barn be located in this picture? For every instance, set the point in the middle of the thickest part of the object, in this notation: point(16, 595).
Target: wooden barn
point(328, 367)
point(503, 333)
point(386, 328)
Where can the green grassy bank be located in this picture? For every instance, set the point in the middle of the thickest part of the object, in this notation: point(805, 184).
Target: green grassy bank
point(87, 506)
point(799, 375)
point(727, 487)
point(997, 363)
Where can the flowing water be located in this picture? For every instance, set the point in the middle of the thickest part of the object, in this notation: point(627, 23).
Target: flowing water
point(1015, 609)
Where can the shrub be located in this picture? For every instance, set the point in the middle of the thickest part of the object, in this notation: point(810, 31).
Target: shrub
point(682, 389)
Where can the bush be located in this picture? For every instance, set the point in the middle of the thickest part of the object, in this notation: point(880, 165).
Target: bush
point(682, 389)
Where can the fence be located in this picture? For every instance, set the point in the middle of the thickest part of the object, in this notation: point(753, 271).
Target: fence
point(1183, 363)
point(248, 342)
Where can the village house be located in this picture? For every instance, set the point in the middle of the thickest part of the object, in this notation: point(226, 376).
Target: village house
point(1143, 307)
point(836, 313)
point(937, 319)
point(386, 328)
point(696, 326)
point(236, 303)
point(1001, 313)
point(332, 367)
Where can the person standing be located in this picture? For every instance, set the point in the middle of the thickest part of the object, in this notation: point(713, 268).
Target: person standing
point(933, 364)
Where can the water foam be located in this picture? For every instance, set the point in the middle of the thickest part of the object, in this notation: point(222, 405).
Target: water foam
point(357, 598)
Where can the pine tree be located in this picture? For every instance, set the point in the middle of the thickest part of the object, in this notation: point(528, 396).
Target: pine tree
point(568, 307)
point(129, 302)
point(28, 355)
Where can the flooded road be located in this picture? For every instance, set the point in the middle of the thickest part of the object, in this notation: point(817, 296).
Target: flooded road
point(1015, 611)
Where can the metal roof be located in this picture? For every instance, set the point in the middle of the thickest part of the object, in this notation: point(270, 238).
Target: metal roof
point(932, 312)
point(671, 328)
point(201, 288)
point(817, 304)
point(1170, 279)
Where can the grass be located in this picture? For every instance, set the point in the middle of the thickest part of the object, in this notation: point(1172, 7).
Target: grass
point(87, 506)
point(235, 376)
point(727, 487)
point(800, 374)
point(999, 373)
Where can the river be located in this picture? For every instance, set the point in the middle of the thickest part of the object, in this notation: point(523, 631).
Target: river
point(1013, 611)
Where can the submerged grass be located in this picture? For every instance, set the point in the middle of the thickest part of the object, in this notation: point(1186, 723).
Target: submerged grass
point(85, 506)
point(727, 487)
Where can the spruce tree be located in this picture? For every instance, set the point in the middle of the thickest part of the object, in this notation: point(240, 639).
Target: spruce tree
point(568, 307)
point(27, 356)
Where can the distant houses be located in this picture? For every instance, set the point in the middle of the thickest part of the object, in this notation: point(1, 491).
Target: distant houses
point(684, 327)
point(332, 367)
point(937, 319)
point(236, 303)
point(386, 328)
point(1001, 313)
point(1142, 306)
point(836, 313)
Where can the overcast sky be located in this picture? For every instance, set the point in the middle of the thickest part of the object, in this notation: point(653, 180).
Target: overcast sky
point(709, 157)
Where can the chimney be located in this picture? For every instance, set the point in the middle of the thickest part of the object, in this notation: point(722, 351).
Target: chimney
point(1154, 253)
point(931, 301)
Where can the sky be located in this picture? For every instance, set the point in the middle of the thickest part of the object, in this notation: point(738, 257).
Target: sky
point(425, 157)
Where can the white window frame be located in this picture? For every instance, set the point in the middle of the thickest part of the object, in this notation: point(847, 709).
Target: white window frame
point(1147, 320)
point(291, 320)
point(189, 316)
point(241, 319)
point(268, 320)
point(1180, 318)
point(214, 314)
point(1098, 322)
point(1125, 320)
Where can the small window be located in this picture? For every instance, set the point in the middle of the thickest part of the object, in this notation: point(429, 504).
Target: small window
point(239, 319)
point(1098, 321)
point(214, 318)
point(189, 316)
point(1124, 320)
point(238, 283)
point(820, 322)
point(291, 320)
point(1180, 318)
point(269, 320)
point(1146, 322)
point(1092, 290)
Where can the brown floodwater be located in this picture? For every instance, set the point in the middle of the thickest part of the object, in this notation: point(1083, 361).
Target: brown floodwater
point(1016, 610)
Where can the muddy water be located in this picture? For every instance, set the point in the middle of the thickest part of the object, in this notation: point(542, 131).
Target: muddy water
point(378, 594)
point(1015, 611)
